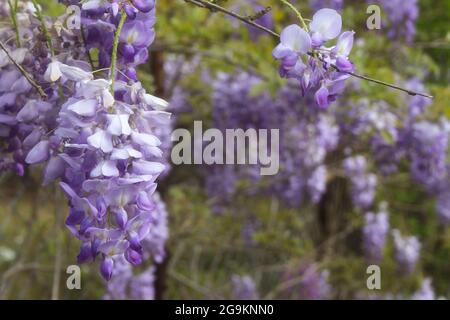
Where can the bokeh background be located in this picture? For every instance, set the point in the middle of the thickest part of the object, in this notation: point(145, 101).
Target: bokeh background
point(297, 235)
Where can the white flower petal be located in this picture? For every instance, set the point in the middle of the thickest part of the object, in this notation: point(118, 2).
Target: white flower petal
point(101, 140)
point(327, 22)
point(53, 72)
point(296, 39)
point(84, 108)
point(118, 124)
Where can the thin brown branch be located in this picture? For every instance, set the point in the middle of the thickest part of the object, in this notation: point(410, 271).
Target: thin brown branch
point(216, 8)
point(24, 72)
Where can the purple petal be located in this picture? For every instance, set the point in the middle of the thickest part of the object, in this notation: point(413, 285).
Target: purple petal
point(321, 97)
point(345, 44)
point(39, 153)
point(106, 268)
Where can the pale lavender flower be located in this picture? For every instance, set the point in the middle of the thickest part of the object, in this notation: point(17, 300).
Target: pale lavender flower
point(375, 230)
point(407, 251)
point(363, 183)
point(425, 292)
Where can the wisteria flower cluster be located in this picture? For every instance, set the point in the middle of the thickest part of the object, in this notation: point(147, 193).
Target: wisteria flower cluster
point(97, 135)
point(375, 231)
point(303, 173)
point(304, 56)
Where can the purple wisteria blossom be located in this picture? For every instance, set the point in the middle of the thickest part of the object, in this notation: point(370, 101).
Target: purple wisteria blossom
point(429, 145)
point(363, 183)
point(100, 20)
point(304, 56)
point(402, 16)
point(126, 285)
point(101, 143)
point(108, 164)
point(443, 205)
point(244, 288)
point(425, 292)
point(308, 283)
point(375, 230)
point(307, 135)
point(407, 251)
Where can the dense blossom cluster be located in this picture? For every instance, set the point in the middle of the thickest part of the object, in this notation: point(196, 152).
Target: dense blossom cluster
point(126, 283)
point(24, 116)
point(407, 251)
point(304, 56)
point(375, 230)
point(100, 20)
point(302, 170)
point(101, 142)
point(308, 283)
point(363, 183)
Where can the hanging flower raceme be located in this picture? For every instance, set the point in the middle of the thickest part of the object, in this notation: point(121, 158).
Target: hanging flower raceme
point(125, 283)
point(375, 230)
point(25, 117)
point(363, 183)
point(305, 57)
point(407, 251)
point(107, 159)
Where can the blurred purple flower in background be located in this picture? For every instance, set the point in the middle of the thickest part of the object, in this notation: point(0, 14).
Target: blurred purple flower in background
point(402, 16)
point(375, 230)
point(244, 288)
point(425, 292)
point(363, 183)
point(407, 251)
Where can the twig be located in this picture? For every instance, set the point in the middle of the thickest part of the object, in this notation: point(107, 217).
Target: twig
point(24, 72)
point(214, 7)
point(299, 15)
